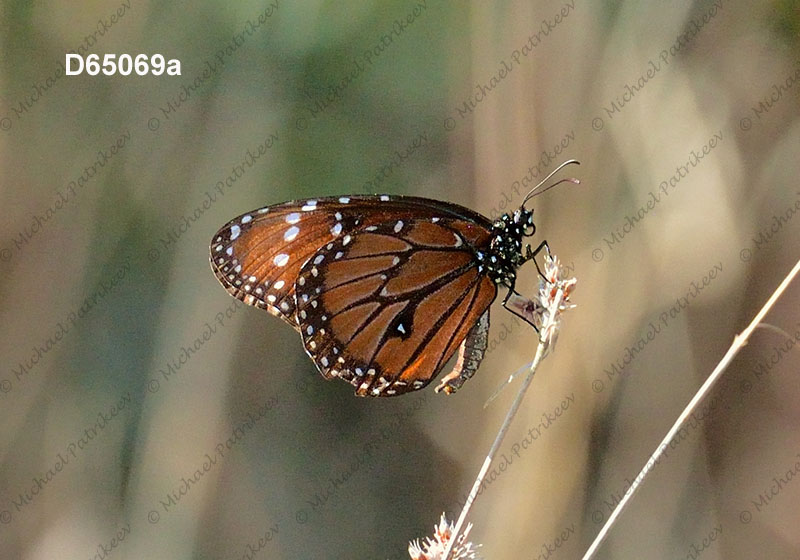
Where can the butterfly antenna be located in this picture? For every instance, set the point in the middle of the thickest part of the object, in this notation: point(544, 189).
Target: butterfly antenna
point(556, 170)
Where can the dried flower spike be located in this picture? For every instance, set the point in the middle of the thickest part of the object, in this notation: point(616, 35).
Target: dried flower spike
point(434, 548)
point(554, 291)
point(553, 298)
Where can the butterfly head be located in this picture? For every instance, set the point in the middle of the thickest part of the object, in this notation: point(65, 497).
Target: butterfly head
point(523, 219)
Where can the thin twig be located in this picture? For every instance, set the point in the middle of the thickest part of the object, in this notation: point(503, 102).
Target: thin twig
point(501, 434)
point(495, 446)
point(738, 341)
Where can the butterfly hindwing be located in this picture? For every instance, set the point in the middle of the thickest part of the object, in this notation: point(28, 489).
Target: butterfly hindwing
point(386, 305)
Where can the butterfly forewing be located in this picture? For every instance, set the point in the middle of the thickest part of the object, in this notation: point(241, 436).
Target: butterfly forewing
point(386, 305)
point(257, 256)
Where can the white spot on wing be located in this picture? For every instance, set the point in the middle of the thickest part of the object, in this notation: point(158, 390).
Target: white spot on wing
point(291, 233)
point(235, 231)
point(310, 205)
point(293, 218)
point(459, 243)
point(344, 200)
point(278, 285)
point(384, 198)
point(281, 259)
point(246, 219)
point(346, 239)
point(318, 259)
point(337, 229)
point(398, 226)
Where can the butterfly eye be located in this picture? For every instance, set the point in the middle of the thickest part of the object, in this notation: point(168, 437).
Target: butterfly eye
point(523, 219)
point(528, 228)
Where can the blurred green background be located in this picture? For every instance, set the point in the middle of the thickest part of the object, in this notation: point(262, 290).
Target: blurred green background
point(143, 414)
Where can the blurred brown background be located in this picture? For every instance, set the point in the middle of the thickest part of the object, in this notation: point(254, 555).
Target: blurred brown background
point(144, 415)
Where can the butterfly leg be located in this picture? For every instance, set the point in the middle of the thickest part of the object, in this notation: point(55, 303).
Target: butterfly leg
point(524, 308)
point(470, 356)
point(531, 256)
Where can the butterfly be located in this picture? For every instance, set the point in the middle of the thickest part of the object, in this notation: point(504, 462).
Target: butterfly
point(382, 289)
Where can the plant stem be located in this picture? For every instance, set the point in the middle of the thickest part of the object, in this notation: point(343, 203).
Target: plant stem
point(738, 341)
point(495, 446)
point(501, 434)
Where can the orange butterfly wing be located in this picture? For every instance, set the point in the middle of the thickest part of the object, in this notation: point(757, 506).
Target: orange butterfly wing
point(257, 256)
point(387, 305)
